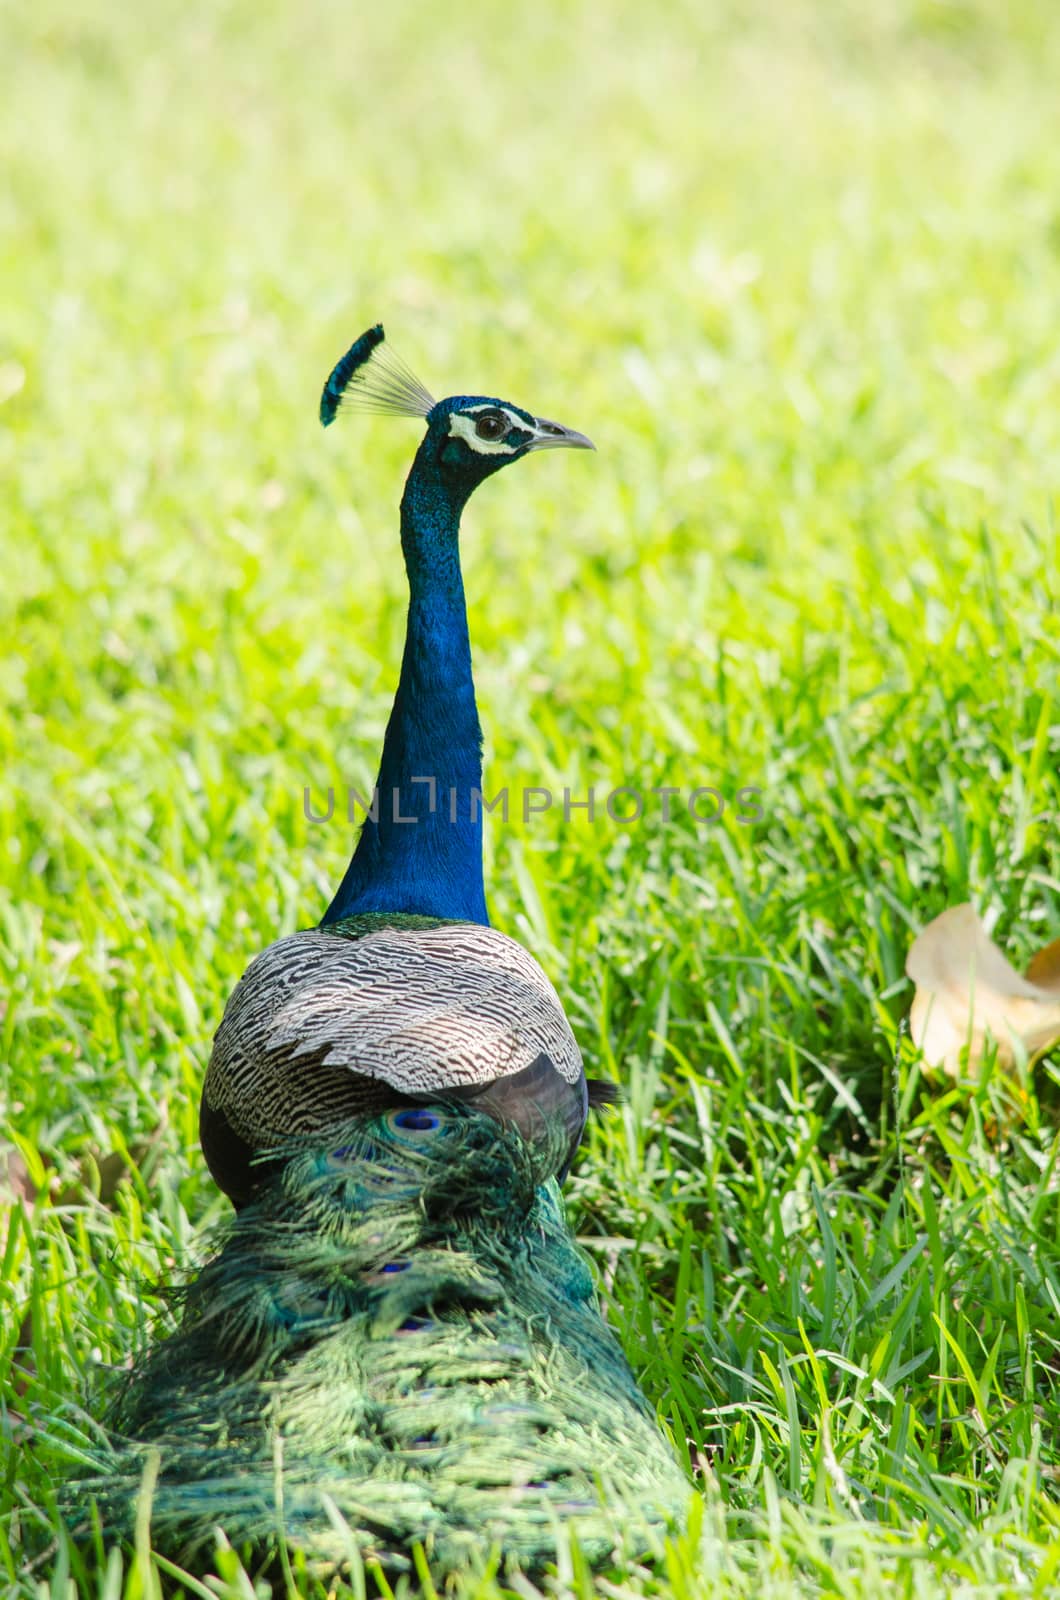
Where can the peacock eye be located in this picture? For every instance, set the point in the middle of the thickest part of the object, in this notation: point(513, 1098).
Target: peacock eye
point(418, 1120)
point(491, 425)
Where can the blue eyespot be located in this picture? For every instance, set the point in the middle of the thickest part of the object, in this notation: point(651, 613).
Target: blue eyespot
point(358, 1152)
point(415, 1325)
point(417, 1120)
point(379, 1275)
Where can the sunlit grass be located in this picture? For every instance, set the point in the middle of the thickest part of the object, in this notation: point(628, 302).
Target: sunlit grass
point(796, 269)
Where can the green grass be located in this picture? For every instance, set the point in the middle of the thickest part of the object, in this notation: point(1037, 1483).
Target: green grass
point(796, 268)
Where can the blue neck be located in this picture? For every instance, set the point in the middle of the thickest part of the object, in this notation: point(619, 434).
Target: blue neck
point(431, 864)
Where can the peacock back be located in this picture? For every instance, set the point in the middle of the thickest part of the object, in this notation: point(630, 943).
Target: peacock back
point(377, 1012)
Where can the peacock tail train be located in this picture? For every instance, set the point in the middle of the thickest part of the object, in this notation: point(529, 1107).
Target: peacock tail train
point(397, 1343)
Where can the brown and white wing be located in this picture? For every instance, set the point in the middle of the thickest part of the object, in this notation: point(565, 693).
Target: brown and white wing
point(321, 1027)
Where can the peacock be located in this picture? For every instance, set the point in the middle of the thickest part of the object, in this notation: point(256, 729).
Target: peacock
point(405, 990)
point(396, 1342)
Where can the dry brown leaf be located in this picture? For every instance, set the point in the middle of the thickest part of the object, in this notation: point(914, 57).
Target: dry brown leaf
point(15, 1181)
point(1044, 970)
point(968, 994)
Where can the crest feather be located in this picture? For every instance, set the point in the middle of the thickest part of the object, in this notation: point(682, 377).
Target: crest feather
point(371, 378)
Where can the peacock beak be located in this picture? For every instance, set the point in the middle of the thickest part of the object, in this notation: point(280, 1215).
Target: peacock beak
point(554, 436)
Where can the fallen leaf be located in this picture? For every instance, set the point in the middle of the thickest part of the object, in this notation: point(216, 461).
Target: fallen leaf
point(15, 1181)
point(967, 994)
point(1044, 970)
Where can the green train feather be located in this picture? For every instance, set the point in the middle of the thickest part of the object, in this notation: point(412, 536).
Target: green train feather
point(398, 1343)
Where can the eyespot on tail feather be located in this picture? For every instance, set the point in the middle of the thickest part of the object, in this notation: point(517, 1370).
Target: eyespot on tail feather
point(359, 352)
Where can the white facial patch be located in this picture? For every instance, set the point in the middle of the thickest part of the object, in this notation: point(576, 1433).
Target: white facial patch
point(462, 426)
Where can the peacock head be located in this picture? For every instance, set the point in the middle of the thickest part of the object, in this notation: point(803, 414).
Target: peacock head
point(469, 437)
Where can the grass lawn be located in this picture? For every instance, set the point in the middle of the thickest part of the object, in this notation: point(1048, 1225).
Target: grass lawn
point(796, 268)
